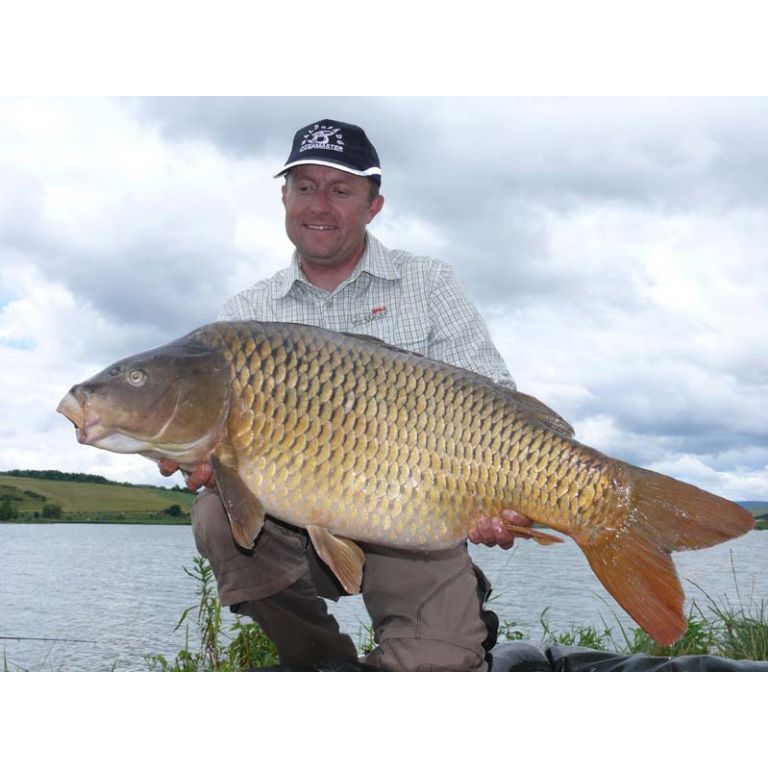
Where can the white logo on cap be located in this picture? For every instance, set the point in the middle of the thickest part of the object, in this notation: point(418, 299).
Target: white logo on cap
point(319, 137)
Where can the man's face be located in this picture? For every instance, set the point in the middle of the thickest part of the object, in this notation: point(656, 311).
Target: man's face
point(326, 212)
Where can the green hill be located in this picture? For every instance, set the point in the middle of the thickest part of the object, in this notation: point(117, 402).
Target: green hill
point(50, 495)
point(757, 508)
point(31, 496)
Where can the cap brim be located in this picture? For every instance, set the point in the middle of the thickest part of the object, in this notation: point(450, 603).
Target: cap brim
point(311, 161)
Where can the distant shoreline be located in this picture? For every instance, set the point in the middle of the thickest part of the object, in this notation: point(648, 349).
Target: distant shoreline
point(51, 496)
point(133, 521)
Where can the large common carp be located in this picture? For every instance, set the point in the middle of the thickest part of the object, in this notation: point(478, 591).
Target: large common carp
point(353, 439)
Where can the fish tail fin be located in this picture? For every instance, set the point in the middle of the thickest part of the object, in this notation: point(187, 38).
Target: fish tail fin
point(682, 516)
point(632, 559)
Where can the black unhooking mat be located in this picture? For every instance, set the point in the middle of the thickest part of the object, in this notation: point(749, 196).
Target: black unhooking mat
point(523, 657)
point(519, 656)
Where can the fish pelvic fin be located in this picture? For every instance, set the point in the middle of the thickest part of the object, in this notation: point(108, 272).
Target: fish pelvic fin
point(342, 556)
point(244, 510)
point(540, 537)
point(632, 559)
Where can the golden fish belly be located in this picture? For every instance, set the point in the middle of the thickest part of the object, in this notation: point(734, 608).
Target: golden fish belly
point(356, 506)
point(386, 447)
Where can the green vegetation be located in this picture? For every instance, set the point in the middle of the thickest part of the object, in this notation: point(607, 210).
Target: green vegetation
point(50, 496)
point(732, 632)
point(243, 648)
point(52, 511)
point(8, 510)
point(54, 474)
point(760, 511)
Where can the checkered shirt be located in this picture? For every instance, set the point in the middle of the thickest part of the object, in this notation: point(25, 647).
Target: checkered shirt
point(412, 302)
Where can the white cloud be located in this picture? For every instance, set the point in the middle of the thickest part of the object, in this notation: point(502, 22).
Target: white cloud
point(743, 483)
point(616, 248)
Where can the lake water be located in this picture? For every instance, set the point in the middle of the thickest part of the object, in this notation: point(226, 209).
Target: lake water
point(122, 588)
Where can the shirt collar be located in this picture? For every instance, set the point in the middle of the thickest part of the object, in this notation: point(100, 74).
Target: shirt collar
point(376, 261)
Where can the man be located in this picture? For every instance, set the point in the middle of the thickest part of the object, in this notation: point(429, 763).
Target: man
point(427, 609)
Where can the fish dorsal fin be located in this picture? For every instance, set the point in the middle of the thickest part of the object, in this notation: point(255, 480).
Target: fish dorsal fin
point(342, 556)
point(544, 414)
point(244, 510)
point(381, 343)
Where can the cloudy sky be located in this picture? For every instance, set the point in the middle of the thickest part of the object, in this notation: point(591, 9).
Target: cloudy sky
point(618, 249)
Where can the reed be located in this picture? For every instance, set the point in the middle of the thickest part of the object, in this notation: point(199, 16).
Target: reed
point(240, 648)
point(741, 629)
point(732, 630)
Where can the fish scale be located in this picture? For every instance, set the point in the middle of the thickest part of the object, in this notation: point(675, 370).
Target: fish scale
point(431, 441)
point(358, 441)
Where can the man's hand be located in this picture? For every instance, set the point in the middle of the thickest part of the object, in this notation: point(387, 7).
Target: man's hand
point(492, 532)
point(201, 475)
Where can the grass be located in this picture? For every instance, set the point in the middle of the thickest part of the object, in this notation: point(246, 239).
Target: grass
point(741, 630)
point(240, 649)
point(92, 502)
point(733, 631)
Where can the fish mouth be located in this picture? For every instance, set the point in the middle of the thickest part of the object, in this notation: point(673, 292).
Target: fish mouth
point(90, 430)
point(71, 407)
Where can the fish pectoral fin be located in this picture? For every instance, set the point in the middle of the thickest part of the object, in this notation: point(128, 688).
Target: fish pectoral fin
point(532, 533)
point(244, 510)
point(342, 556)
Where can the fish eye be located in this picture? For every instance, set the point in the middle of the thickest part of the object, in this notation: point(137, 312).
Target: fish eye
point(137, 377)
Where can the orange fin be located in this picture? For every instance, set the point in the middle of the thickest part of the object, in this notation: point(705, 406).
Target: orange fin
point(533, 533)
point(642, 578)
point(632, 559)
point(244, 510)
point(342, 556)
point(683, 516)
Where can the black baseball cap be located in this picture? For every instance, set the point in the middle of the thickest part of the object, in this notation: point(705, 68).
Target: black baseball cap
point(335, 144)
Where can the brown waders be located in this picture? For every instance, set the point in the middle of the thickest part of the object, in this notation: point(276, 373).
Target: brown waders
point(426, 608)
